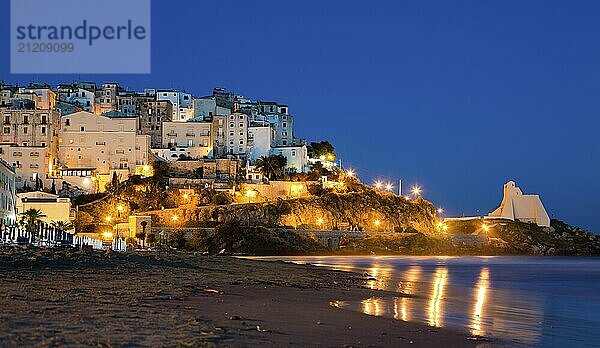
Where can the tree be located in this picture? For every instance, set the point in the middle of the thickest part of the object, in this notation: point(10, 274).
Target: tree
point(31, 218)
point(272, 166)
point(142, 235)
point(151, 238)
point(62, 225)
point(53, 187)
point(321, 148)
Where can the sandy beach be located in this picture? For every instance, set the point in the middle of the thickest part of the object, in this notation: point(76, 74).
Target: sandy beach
point(76, 298)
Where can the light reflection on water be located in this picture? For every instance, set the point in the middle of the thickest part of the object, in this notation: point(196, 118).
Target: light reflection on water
point(527, 301)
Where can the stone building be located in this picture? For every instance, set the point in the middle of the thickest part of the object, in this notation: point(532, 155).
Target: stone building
point(29, 142)
point(195, 136)
point(152, 115)
point(102, 146)
point(53, 207)
point(236, 139)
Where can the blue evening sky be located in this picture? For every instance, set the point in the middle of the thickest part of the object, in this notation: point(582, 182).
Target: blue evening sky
point(457, 96)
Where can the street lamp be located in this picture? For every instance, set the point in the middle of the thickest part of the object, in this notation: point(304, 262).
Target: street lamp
point(377, 222)
point(416, 190)
point(120, 209)
point(350, 172)
point(389, 187)
point(378, 185)
point(485, 228)
point(186, 196)
point(174, 218)
point(108, 218)
point(250, 194)
point(320, 221)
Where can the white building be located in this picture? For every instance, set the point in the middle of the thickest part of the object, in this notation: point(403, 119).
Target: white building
point(260, 137)
point(206, 107)
point(517, 206)
point(7, 193)
point(297, 157)
point(183, 109)
point(75, 95)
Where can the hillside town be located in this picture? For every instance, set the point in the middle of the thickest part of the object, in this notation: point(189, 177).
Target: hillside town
point(100, 165)
point(79, 137)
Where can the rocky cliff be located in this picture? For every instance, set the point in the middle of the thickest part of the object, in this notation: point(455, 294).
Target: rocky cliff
point(368, 210)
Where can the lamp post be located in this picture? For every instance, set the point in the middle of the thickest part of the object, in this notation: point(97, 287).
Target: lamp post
point(251, 194)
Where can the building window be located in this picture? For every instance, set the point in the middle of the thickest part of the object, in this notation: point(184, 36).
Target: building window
point(6, 119)
point(67, 122)
point(43, 130)
point(25, 130)
point(6, 130)
point(25, 119)
point(82, 128)
point(44, 119)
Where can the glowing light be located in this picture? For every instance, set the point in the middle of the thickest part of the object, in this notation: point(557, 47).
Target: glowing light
point(322, 157)
point(174, 217)
point(377, 222)
point(408, 287)
point(330, 157)
point(350, 172)
point(444, 227)
point(120, 208)
point(485, 228)
point(320, 221)
point(378, 185)
point(86, 181)
point(186, 196)
point(107, 235)
point(108, 218)
point(146, 168)
point(389, 187)
point(481, 290)
point(440, 210)
point(416, 190)
point(372, 306)
point(434, 312)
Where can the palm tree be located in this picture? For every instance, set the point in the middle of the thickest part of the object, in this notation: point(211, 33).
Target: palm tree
point(62, 225)
point(271, 166)
point(31, 218)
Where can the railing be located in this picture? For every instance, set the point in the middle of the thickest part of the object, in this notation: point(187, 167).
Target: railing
point(47, 236)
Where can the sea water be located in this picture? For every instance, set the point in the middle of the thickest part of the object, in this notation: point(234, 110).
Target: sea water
point(527, 301)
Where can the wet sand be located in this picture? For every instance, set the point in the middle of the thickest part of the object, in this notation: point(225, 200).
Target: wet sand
point(73, 298)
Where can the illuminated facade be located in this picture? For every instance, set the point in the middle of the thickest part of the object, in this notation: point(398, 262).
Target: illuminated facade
point(7, 193)
point(517, 206)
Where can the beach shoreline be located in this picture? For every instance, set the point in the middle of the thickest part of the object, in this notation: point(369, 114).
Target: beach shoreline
point(75, 298)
